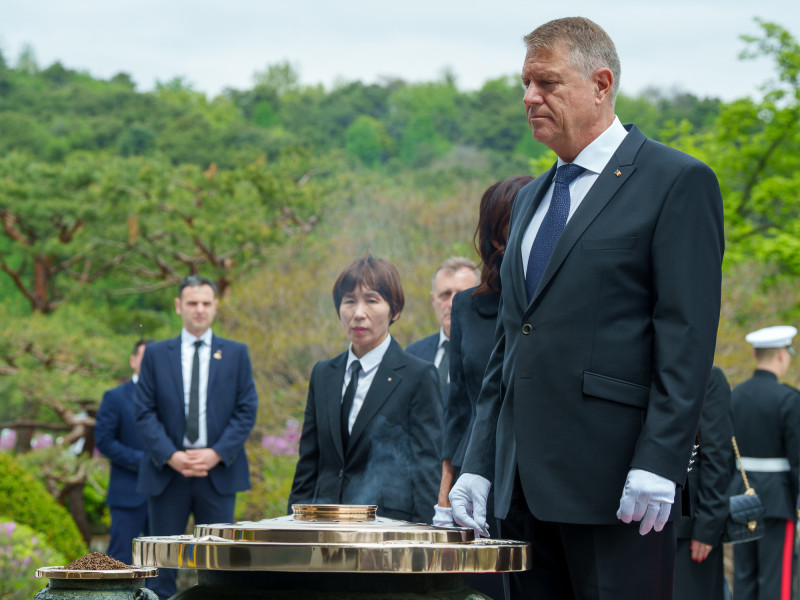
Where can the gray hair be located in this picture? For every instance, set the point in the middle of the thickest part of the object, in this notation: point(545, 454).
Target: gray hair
point(453, 264)
point(590, 47)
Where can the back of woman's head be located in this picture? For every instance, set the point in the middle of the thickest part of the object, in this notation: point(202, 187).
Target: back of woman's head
point(492, 230)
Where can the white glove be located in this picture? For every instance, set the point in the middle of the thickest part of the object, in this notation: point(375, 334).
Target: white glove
point(443, 516)
point(648, 498)
point(468, 499)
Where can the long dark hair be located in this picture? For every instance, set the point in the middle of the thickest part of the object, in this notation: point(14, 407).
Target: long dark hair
point(490, 234)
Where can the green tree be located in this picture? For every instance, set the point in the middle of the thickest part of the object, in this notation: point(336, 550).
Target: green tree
point(366, 138)
point(143, 221)
point(754, 149)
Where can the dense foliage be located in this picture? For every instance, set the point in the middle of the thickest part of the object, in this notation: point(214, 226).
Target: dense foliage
point(24, 500)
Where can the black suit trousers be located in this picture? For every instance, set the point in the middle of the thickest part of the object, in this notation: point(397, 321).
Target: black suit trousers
point(589, 562)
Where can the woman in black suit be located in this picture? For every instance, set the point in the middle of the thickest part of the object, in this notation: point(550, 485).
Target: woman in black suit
point(473, 318)
point(472, 327)
point(372, 424)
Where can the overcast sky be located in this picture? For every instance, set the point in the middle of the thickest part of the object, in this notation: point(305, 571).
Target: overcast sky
point(691, 45)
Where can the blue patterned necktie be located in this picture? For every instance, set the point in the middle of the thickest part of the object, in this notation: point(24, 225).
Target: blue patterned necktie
point(553, 224)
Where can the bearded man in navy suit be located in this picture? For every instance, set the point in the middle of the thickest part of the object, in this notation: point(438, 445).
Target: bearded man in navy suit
point(116, 437)
point(196, 404)
point(606, 330)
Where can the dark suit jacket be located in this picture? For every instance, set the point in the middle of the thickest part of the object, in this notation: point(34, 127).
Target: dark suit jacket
point(606, 367)
point(710, 475)
point(766, 422)
point(425, 348)
point(116, 436)
point(393, 456)
point(472, 325)
point(161, 415)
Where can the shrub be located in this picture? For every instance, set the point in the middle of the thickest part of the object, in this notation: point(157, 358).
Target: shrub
point(271, 476)
point(22, 551)
point(26, 500)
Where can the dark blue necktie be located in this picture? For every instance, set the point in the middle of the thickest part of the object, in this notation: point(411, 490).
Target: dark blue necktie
point(553, 224)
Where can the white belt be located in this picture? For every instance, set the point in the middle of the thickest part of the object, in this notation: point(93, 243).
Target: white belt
point(764, 465)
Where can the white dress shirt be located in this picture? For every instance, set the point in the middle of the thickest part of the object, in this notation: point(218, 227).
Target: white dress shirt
point(593, 158)
point(369, 366)
point(187, 357)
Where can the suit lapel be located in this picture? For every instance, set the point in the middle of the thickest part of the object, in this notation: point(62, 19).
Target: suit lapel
point(174, 359)
point(514, 245)
point(334, 379)
point(384, 383)
point(215, 362)
point(614, 175)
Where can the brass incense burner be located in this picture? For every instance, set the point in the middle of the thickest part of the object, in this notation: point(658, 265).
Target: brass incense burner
point(329, 551)
point(332, 539)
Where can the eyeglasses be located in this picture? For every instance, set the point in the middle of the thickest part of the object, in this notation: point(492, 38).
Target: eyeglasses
point(790, 350)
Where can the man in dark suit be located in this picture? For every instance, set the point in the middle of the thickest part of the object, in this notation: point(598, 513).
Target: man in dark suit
point(605, 339)
point(195, 407)
point(452, 276)
point(699, 565)
point(766, 421)
point(116, 436)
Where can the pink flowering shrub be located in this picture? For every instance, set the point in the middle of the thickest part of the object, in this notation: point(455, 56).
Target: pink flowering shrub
point(43, 440)
point(22, 551)
point(8, 439)
point(286, 443)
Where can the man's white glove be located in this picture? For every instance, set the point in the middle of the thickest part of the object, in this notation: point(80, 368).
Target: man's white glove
point(468, 499)
point(443, 516)
point(648, 498)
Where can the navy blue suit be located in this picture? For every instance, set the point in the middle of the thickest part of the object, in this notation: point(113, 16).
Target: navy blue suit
point(160, 418)
point(116, 437)
point(425, 348)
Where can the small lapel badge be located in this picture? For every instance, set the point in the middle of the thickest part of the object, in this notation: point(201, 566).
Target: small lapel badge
point(388, 379)
point(617, 172)
point(218, 354)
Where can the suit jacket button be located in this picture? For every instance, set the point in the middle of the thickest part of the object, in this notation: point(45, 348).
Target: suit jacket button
point(341, 473)
point(526, 329)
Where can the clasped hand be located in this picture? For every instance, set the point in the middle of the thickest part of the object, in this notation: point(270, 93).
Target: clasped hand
point(648, 498)
point(194, 462)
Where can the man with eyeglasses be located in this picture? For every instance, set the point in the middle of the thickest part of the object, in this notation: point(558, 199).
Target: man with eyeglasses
point(766, 421)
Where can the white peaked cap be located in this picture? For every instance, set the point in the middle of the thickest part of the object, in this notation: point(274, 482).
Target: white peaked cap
point(778, 336)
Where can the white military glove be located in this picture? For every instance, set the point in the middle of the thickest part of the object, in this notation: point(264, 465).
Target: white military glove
point(648, 498)
point(468, 499)
point(443, 516)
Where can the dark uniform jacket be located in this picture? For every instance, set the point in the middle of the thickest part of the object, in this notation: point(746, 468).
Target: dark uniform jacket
point(766, 422)
point(711, 472)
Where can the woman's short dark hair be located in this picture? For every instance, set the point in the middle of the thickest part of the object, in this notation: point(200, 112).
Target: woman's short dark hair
point(374, 274)
point(490, 234)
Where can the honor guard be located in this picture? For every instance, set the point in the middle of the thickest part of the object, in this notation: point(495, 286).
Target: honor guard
point(766, 422)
